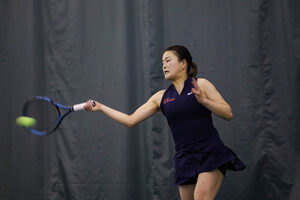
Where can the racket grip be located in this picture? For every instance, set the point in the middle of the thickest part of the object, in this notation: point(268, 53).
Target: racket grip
point(80, 106)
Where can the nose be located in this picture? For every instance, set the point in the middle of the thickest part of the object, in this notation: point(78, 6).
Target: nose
point(164, 65)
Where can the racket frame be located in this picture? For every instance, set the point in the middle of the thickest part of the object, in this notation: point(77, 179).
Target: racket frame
point(58, 107)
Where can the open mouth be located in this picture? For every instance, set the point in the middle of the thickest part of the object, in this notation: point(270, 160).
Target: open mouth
point(166, 72)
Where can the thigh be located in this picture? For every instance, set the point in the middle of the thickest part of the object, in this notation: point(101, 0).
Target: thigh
point(187, 191)
point(208, 184)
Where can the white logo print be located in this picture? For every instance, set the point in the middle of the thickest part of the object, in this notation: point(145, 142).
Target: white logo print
point(189, 93)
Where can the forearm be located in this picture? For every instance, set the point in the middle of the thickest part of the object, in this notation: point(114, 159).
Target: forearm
point(221, 109)
point(117, 115)
point(143, 112)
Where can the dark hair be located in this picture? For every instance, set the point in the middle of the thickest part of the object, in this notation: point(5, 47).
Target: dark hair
point(183, 53)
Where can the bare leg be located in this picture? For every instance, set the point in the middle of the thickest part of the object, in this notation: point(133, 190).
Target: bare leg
point(208, 185)
point(187, 192)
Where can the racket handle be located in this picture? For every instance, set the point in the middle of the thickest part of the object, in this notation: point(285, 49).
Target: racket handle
point(80, 106)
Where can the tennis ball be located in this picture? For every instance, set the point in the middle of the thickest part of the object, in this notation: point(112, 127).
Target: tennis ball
point(27, 122)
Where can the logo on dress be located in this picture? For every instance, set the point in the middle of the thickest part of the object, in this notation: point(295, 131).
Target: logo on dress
point(167, 100)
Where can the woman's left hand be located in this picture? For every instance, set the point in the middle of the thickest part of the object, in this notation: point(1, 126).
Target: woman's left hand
point(206, 94)
point(199, 94)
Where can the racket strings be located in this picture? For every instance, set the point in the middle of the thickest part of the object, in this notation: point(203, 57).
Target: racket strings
point(45, 113)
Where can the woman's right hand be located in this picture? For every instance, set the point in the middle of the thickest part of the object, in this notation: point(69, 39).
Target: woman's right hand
point(92, 105)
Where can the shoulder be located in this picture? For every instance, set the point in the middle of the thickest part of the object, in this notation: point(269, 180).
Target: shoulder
point(206, 86)
point(158, 95)
point(156, 98)
point(204, 83)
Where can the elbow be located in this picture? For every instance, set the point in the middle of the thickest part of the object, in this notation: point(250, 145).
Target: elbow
point(229, 116)
point(130, 123)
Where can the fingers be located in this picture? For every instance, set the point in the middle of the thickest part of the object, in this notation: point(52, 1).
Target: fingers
point(195, 84)
point(196, 90)
point(91, 105)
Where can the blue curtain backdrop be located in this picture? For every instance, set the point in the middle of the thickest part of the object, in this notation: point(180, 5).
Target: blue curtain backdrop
point(111, 51)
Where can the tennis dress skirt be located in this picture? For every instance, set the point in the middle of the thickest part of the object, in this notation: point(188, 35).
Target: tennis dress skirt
point(197, 142)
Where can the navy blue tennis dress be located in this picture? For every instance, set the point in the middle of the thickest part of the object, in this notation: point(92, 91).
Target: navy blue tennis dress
point(197, 142)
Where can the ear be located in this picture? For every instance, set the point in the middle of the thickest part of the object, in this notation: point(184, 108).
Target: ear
point(184, 64)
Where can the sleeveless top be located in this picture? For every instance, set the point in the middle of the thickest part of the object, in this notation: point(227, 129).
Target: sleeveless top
point(197, 142)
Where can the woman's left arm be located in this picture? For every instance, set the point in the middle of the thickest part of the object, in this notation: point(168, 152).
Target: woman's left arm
point(206, 94)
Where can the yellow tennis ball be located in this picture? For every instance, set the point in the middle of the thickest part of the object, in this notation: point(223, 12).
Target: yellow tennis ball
point(24, 121)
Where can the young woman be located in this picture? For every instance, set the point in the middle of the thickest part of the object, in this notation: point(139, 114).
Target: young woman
point(201, 158)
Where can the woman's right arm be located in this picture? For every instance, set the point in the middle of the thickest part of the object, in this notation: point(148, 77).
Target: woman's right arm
point(146, 110)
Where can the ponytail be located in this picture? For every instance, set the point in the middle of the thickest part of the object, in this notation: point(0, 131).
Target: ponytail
point(192, 70)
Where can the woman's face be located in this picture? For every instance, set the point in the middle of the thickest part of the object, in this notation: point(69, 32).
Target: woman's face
point(171, 66)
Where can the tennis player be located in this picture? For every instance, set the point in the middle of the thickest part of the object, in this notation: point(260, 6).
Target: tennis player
point(201, 158)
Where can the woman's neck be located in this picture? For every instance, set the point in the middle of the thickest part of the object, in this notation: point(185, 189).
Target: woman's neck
point(179, 83)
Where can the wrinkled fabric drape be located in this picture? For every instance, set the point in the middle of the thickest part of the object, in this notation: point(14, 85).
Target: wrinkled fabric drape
point(111, 51)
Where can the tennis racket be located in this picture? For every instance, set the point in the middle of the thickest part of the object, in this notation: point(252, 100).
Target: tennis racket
point(48, 113)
